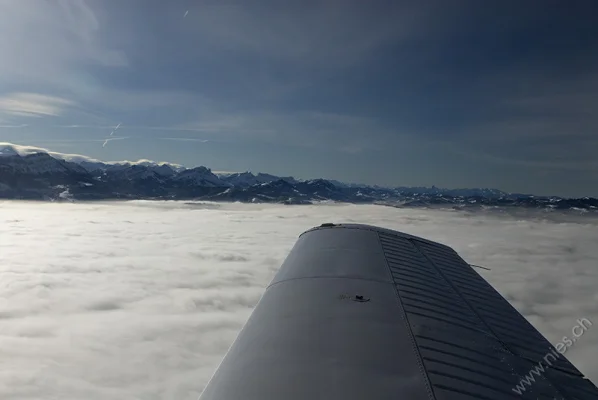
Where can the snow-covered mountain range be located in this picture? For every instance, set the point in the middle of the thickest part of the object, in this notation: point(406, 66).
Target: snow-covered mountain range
point(38, 174)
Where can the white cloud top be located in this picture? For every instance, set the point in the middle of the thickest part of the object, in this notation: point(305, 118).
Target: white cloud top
point(142, 299)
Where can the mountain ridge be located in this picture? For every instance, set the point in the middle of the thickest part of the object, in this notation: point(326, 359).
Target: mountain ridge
point(37, 174)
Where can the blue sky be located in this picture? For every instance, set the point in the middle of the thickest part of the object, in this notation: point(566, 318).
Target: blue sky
point(453, 94)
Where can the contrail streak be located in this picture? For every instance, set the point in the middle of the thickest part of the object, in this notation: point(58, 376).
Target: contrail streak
point(115, 128)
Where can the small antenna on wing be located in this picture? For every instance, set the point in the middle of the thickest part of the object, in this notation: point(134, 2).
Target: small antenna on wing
point(478, 266)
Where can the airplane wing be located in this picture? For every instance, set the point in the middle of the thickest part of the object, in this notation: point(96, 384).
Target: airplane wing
point(362, 312)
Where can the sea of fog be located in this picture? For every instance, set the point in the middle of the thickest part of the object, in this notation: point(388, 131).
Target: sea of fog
point(141, 300)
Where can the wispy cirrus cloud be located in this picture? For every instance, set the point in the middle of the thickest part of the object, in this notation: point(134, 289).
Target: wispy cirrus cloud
point(14, 126)
point(179, 139)
point(49, 41)
point(146, 127)
point(33, 105)
point(85, 126)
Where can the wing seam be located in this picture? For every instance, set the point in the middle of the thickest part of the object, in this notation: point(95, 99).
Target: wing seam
point(405, 318)
point(489, 329)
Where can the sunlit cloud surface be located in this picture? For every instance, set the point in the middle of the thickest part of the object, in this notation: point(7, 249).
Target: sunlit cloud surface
point(142, 299)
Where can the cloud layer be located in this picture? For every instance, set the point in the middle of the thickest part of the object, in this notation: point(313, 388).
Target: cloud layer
point(32, 105)
point(142, 299)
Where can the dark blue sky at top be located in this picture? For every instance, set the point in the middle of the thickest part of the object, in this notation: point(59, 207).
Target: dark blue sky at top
point(453, 94)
